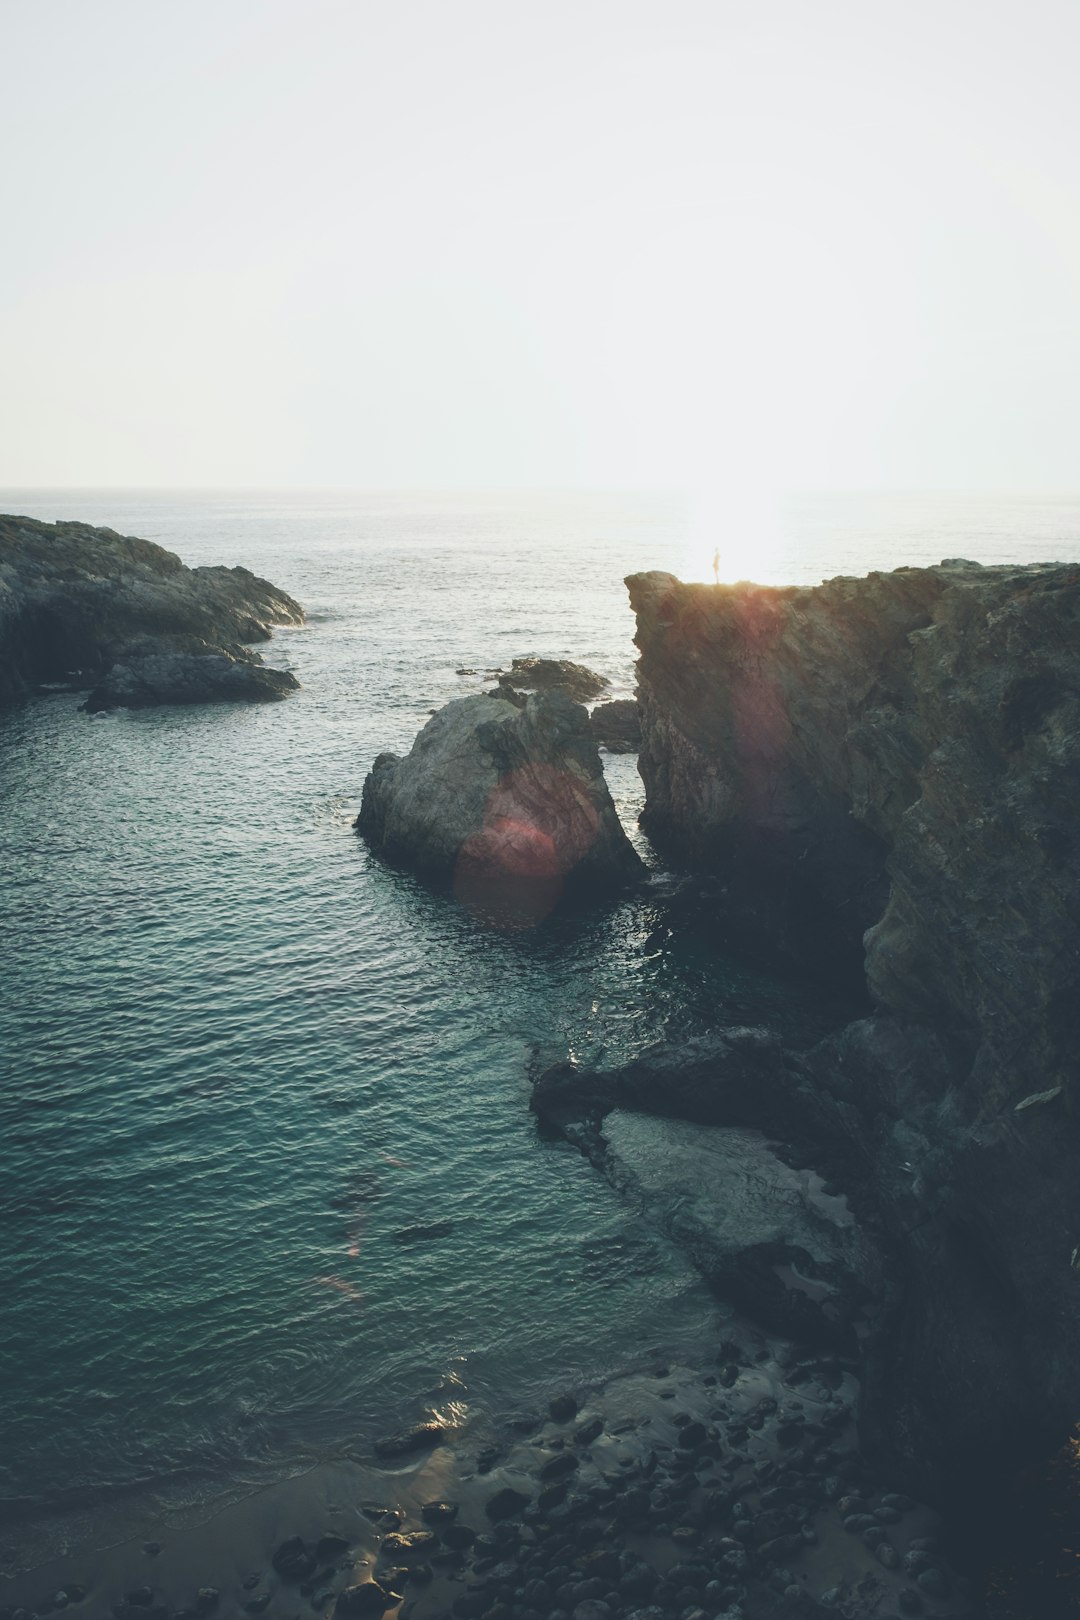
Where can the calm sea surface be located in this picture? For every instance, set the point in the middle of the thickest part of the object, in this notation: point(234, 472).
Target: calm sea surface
point(241, 1057)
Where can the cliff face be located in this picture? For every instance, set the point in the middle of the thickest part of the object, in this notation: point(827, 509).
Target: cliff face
point(76, 601)
point(886, 773)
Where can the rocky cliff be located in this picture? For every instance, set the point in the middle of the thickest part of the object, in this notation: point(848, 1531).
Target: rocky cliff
point(89, 608)
point(885, 774)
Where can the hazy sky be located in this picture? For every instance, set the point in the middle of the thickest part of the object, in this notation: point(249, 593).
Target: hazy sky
point(540, 242)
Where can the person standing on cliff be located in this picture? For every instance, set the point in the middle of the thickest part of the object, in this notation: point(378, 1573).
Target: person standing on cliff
point(716, 565)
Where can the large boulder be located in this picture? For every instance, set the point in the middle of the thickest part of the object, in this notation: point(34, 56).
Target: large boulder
point(508, 803)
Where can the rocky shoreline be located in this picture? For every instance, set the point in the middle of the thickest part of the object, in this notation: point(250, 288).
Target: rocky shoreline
point(731, 1488)
point(89, 610)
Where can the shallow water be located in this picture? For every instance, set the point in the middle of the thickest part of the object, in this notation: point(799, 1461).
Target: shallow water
point(243, 1057)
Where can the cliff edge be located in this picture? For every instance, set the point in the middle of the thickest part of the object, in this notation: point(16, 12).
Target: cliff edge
point(885, 772)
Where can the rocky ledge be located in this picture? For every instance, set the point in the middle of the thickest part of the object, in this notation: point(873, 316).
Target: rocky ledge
point(508, 803)
point(884, 774)
point(89, 608)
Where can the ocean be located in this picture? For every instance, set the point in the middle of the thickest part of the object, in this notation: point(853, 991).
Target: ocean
point(244, 1060)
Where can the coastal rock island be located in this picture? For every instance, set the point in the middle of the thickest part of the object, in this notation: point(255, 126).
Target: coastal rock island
point(500, 799)
point(883, 774)
point(86, 608)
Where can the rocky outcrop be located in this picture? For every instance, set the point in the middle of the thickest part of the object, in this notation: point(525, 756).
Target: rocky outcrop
point(89, 608)
point(508, 803)
point(617, 726)
point(553, 675)
point(884, 773)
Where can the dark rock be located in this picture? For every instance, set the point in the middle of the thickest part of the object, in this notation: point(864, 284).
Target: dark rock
point(78, 601)
point(293, 1561)
point(141, 1597)
point(505, 1504)
point(457, 1536)
point(161, 671)
point(579, 684)
point(404, 1546)
point(366, 1599)
point(881, 776)
point(330, 1546)
point(588, 1432)
point(408, 1440)
point(617, 726)
point(510, 805)
point(562, 1408)
point(207, 1598)
point(256, 1604)
point(439, 1513)
point(558, 1467)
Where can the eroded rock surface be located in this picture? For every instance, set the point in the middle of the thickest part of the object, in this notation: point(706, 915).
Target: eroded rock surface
point(82, 607)
point(499, 798)
point(885, 773)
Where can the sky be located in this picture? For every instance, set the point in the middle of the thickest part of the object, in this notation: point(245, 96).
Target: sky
point(488, 243)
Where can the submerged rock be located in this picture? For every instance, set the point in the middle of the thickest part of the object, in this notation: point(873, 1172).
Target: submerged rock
point(508, 803)
point(553, 675)
point(78, 603)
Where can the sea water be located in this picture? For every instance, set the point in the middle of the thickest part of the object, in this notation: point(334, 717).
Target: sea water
point(244, 1060)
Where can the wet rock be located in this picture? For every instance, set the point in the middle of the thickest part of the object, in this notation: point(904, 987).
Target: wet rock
point(416, 1438)
point(562, 1408)
point(293, 1561)
point(207, 1598)
point(366, 1599)
point(505, 1504)
point(405, 1546)
point(558, 1467)
point(457, 1536)
point(439, 1513)
point(330, 1546)
point(140, 1597)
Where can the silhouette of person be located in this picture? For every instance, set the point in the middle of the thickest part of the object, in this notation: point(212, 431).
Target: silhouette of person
point(716, 565)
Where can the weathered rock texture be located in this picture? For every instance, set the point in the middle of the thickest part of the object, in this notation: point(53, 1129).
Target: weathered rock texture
point(84, 607)
point(500, 798)
point(887, 771)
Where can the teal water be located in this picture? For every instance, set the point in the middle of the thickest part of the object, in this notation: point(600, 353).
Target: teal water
point(241, 1057)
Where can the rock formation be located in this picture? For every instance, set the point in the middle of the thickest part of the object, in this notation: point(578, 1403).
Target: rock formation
point(885, 774)
point(504, 801)
point(617, 726)
point(89, 608)
point(553, 675)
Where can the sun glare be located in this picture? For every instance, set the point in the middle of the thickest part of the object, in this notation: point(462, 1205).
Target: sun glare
point(733, 535)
